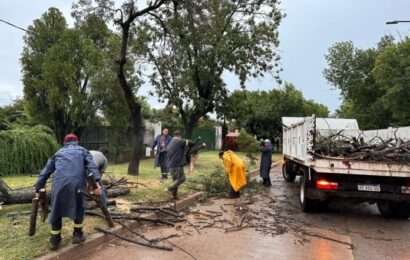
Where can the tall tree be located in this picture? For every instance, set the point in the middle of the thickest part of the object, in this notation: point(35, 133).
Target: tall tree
point(126, 19)
point(350, 70)
point(260, 112)
point(59, 67)
point(193, 43)
point(41, 36)
point(392, 72)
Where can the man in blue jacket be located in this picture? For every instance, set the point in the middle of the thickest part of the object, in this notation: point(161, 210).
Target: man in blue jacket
point(71, 167)
point(161, 143)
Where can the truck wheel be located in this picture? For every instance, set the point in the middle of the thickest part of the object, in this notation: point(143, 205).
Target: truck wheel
point(306, 204)
point(390, 209)
point(288, 175)
point(385, 209)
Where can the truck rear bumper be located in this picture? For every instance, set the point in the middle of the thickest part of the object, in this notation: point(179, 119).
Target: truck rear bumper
point(356, 195)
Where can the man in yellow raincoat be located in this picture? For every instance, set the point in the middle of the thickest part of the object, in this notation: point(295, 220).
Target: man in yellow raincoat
point(235, 168)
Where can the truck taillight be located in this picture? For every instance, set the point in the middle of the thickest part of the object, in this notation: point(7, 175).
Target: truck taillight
point(326, 185)
point(405, 189)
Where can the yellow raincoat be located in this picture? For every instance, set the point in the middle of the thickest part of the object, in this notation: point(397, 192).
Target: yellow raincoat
point(235, 168)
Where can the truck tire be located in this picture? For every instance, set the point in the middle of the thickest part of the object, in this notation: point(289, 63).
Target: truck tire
point(307, 204)
point(287, 173)
point(390, 209)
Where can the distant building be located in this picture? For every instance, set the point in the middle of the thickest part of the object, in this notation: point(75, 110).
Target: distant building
point(231, 140)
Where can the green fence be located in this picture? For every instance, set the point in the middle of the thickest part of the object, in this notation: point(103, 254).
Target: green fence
point(207, 135)
point(118, 141)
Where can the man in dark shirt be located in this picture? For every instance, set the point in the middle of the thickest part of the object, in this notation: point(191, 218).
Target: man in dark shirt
point(176, 159)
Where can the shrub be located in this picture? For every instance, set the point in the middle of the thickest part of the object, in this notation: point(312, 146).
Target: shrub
point(247, 143)
point(214, 183)
point(25, 150)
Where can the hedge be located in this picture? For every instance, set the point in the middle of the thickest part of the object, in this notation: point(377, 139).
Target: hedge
point(25, 150)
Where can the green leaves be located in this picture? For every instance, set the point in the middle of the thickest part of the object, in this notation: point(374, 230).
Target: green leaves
point(194, 42)
point(392, 72)
point(25, 150)
point(61, 67)
point(373, 82)
point(247, 143)
point(260, 112)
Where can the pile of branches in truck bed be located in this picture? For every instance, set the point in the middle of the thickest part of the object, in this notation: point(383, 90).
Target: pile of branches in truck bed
point(376, 149)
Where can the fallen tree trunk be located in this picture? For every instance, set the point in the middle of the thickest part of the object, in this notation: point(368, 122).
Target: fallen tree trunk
point(19, 196)
point(118, 191)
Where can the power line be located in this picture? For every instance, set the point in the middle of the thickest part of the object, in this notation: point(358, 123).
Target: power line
point(13, 25)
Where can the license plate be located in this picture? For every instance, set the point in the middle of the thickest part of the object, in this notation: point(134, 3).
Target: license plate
point(372, 188)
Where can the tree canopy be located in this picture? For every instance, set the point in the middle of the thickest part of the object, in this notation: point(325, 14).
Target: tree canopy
point(392, 73)
point(60, 67)
point(127, 18)
point(372, 82)
point(260, 112)
point(192, 43)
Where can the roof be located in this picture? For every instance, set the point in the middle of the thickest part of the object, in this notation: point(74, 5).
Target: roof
point(324, 123)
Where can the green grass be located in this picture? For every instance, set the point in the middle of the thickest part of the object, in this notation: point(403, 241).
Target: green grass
point(16, 244)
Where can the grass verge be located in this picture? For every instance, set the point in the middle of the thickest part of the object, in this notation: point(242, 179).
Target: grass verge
point(14, 220)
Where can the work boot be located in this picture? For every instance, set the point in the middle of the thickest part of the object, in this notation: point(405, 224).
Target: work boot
point(234, 194)
point(267, 183)
point(174, 193)
point(55, 241)
point(78, 236)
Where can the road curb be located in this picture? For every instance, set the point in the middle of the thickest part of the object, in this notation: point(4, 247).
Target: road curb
point(255, 173)
point(71, 252)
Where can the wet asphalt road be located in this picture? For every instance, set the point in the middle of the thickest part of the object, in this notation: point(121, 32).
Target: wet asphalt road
point(372, 236)
point(345, 231)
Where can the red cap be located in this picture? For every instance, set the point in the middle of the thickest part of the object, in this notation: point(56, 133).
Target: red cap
point(70, 138)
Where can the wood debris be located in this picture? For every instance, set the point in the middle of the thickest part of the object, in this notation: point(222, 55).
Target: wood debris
point(340, 146)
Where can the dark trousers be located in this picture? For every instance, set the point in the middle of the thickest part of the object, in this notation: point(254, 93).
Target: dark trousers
point(232, 193)
point(178, 176)
point(162, 161)
point(57, 223)
point(267, 182)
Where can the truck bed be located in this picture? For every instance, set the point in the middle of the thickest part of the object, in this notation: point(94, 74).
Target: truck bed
point(341, 166)
point(298, 143)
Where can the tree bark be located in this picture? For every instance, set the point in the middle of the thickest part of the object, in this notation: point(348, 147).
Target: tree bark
point(19, 196)
point(191, 122)
point(189, 129)
point(133, 105)
point(138, 143)
point(224, 133)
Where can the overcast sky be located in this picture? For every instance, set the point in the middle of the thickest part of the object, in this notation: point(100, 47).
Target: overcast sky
point(310, 28)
